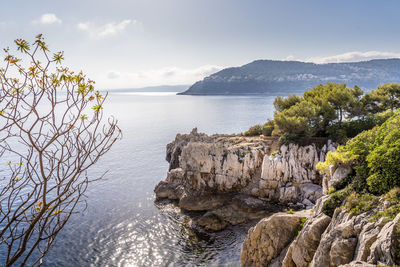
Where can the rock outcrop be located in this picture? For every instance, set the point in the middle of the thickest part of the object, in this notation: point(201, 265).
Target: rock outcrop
point(230, 179)
point(386, 249)
point(343, 240)
point(269, 237)
point(290, 175)
point(257, 166)
point(207, 173)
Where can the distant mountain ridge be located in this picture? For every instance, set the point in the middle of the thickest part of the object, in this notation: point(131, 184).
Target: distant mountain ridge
point(273, 76)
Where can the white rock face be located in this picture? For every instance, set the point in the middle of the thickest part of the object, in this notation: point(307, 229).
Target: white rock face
point(291, 175)
point(337, 175)
point(215, 166)
point(231, 163)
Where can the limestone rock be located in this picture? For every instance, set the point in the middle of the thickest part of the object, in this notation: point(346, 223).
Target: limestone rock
point(310, 191)
point(386, 249)
point(218, 164)
point(338, 175)
point(208, 172)
point(211, 221)
point(291, 175)
point(338, 242)
point(269, 237)
point(172, 187)
point(203, 202)
point(304, 246)
point(366, 238)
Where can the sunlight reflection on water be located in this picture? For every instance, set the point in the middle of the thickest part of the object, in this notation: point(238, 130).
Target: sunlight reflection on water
point(122, 226)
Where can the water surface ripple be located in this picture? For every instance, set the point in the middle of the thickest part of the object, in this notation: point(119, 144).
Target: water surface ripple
point(122, 226)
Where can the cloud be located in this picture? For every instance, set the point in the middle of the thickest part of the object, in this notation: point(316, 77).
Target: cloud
point(169, 75)
point(353, 57)
point(199, 72)
point(113, 75)
point(48, 18)
point(289, 58)
point(106, 30)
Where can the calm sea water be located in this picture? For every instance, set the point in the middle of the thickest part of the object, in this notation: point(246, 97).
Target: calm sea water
point(122, 226)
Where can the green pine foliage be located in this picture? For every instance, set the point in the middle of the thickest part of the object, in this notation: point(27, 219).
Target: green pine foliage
point(335, 111)
point(254, 130)
point(375, 155)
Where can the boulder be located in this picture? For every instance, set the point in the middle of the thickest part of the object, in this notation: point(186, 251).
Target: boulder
point(269, 237)
point(366, 238)
point(304, 246)
point(211, 221)
point(171, 187)
point(338, 243)
point(340, 173)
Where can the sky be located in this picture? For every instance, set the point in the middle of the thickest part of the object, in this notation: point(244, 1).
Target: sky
point(137, 43)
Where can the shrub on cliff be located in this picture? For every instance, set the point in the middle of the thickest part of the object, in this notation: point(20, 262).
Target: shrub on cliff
point(335, 200)
point(265, 129)
point(268, 128)
point(374, 155)
point(254, 130)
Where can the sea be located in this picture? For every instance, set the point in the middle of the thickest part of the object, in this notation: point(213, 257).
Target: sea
point(122, 224)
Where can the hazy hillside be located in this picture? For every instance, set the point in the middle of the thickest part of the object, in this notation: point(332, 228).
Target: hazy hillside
point(269, 76)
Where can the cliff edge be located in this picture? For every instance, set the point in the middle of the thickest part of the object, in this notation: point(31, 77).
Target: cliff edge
point(234, 178)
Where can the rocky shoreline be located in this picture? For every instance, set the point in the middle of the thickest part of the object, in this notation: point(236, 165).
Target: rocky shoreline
point(232, 179)
point(316, 240)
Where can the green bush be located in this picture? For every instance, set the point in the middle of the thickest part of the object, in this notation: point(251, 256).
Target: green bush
point(340, 132)
point(299, 227)
point(389, 214)
point(393, 195)
point(287, 139)
point(335, 201)
point(375, 155)
point(384, 157)
point(359, 203)
point(254, 131)
point(267, 130)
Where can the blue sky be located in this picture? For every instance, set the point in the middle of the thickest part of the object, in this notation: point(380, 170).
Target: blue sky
point(134, 43)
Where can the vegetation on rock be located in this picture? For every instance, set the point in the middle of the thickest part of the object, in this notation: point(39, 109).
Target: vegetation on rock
point(368, 127)
point(374, 156)
point(332, 110)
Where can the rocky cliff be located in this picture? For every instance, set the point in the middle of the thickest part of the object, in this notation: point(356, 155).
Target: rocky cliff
point(231, 179)
point(343, 240)
point(348, 237)
point(234, 177)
